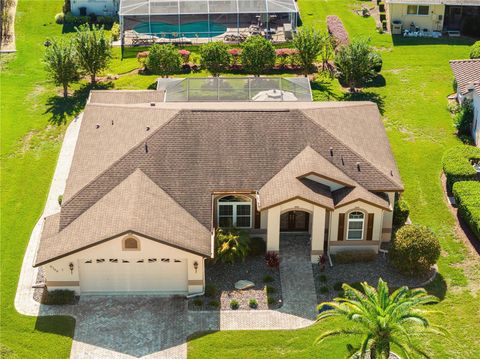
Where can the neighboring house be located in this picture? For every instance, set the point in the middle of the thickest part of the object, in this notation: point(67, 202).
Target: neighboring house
point(433, 15)
point(467, 77)
point(97, 7)
point(151, 180)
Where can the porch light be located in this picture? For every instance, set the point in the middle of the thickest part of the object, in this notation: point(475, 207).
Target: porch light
point(195, 266)
point(71, 267)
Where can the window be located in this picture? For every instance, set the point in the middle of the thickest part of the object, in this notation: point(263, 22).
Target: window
point(235, 211)
point(130, 243)
point(355, 226)
point(418, 10)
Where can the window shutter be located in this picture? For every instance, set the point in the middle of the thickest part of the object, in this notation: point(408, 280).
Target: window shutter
point(370, 226)
point(341, 226)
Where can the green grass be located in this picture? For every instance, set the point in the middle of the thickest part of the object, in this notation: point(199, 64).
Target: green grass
point(413, 101)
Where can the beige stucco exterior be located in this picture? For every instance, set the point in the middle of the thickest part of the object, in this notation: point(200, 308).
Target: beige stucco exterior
point(59, 275)
point(433, 21)
point(476, 118)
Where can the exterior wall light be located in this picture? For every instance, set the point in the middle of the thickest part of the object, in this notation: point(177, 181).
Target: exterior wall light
point(71, 267)
point(195, 266)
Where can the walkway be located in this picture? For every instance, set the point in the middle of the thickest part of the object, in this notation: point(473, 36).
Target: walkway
point(152, 326)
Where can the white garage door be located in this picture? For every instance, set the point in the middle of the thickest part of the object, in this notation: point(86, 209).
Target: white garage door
point(103, 275)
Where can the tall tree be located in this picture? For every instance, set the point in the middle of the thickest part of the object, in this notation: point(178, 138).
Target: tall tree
point(381, 319)
point(309, 43)
point(215, 57)
point(163, 59)
point(61, 64)
point(93, 50)
point(356, 63)
point(258, 55)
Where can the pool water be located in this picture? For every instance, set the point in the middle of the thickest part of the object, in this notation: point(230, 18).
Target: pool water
point(192, 29)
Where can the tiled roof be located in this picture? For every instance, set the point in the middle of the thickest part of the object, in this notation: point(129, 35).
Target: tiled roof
point(467, 72)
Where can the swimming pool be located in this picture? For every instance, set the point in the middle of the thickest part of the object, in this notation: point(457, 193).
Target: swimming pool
point(192, 29)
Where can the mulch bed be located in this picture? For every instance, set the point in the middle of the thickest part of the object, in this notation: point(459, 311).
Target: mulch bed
point(362, 272)
point(224, 276)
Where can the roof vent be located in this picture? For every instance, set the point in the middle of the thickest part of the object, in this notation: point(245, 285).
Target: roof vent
point(152, 104)
point(148, 128)
point(358, 166)
point(112, 122)
point(343, 162)
point(331, 151)
point(391, 173)
point(146, 147)
point(97, 126)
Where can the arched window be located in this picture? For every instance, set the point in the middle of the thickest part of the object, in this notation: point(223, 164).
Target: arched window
point(355, 226)
point(235, 211)
point(130, 243)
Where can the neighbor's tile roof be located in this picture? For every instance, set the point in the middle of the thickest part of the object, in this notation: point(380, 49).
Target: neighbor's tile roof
point(467, 72)
point(193, 150)
point(135, 205)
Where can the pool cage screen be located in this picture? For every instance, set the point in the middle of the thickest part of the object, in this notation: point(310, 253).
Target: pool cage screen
point(203, 18)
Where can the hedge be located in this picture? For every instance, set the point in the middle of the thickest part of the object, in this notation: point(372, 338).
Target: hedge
point(467, 197)
point(457, 164)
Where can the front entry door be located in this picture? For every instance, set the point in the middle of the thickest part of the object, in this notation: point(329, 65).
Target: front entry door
point(294, 221)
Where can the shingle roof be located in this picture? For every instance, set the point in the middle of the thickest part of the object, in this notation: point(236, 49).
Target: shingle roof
point(467, 72)
point(136, 205)
point(436, 2)
point(346, 195)
point(193, 150)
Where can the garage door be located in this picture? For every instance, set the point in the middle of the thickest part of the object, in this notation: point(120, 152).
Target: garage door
point(106, 275)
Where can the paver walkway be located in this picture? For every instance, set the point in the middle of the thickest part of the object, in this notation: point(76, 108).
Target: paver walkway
point(152, 326)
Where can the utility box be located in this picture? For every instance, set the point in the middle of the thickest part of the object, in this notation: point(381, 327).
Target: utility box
point(396, 27)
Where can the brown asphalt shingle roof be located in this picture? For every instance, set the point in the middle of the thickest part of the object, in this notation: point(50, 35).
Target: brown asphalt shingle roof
point(188, 154)
point(467, 72)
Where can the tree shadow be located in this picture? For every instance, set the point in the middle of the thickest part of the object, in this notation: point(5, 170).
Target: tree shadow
point(366, 96)
point(399, 40)
point(438, 287)
point(56, 324)
point(378, 81)
point(61, 108)
point(322, 90)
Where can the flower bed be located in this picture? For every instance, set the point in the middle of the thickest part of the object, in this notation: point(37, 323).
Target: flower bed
point(337, 30)
point(220, 291)
point(467, 197)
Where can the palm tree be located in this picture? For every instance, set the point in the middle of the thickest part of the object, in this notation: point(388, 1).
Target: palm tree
point(381, 319)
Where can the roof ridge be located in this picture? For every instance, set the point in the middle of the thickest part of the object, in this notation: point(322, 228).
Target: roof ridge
point(350, 148)
point(464, 60)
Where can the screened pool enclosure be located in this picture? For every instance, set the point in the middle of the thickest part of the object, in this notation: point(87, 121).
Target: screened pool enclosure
point(163, 20)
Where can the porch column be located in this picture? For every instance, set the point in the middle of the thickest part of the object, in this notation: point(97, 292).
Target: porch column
point(318, 230)
point(273, 229)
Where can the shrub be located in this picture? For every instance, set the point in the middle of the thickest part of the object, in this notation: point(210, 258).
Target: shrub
point(377, 62)
point(323, 278)
point(457, 166)
point(235, 55)
point(309, 44)
point(60, 199)
point(464, 119)
point(58, 297)
point(234, 304)
point(384, 24)
point(258, 55)
point(210, 290)
point(60, 18)
point(401, 211)
point(381, 7)
point(337, 30)
point(163, 60)
point(268, 279)
point(231, 246)
point(270, 290)
point(414, 250)
point(115, 31)
point(257, 246)
point(253, 303)
point(69, 18)
point(185, 54)
point(271, 300)
point(467, 197)
point(338, 286)
point(272, 259)
point(198, 302)
point(215, 57)
point(383, 17)
point(475, 51)
point(214, 303)
point(105, 20)
point(324, 290)
point(356, 256)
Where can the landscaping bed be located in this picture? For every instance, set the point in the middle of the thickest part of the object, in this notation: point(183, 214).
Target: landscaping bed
point(328, 283)
point(222, 278)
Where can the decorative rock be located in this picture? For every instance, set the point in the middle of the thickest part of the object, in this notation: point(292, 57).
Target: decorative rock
point(244, 284)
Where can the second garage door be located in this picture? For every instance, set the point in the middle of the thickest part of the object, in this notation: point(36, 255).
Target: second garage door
point(159, 275)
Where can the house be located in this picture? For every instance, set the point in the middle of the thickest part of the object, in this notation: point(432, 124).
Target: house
point(467, 78)
point(150, 181)
point(97, 7)
point(434, 15)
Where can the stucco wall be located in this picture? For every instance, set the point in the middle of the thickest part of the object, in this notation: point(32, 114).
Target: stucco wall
point(476, 119)
point(59, 276)
point(430, 21)
point(388, 219)
point(98, 7)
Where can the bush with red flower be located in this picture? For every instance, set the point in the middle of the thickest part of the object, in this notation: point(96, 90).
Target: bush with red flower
point(285, 54)
point(185, 54)
point(235, 54)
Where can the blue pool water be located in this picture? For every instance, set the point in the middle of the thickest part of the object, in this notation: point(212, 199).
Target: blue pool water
point(192, 29)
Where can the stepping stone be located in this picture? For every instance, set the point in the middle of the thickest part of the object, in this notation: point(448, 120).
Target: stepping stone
point(244, 284)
